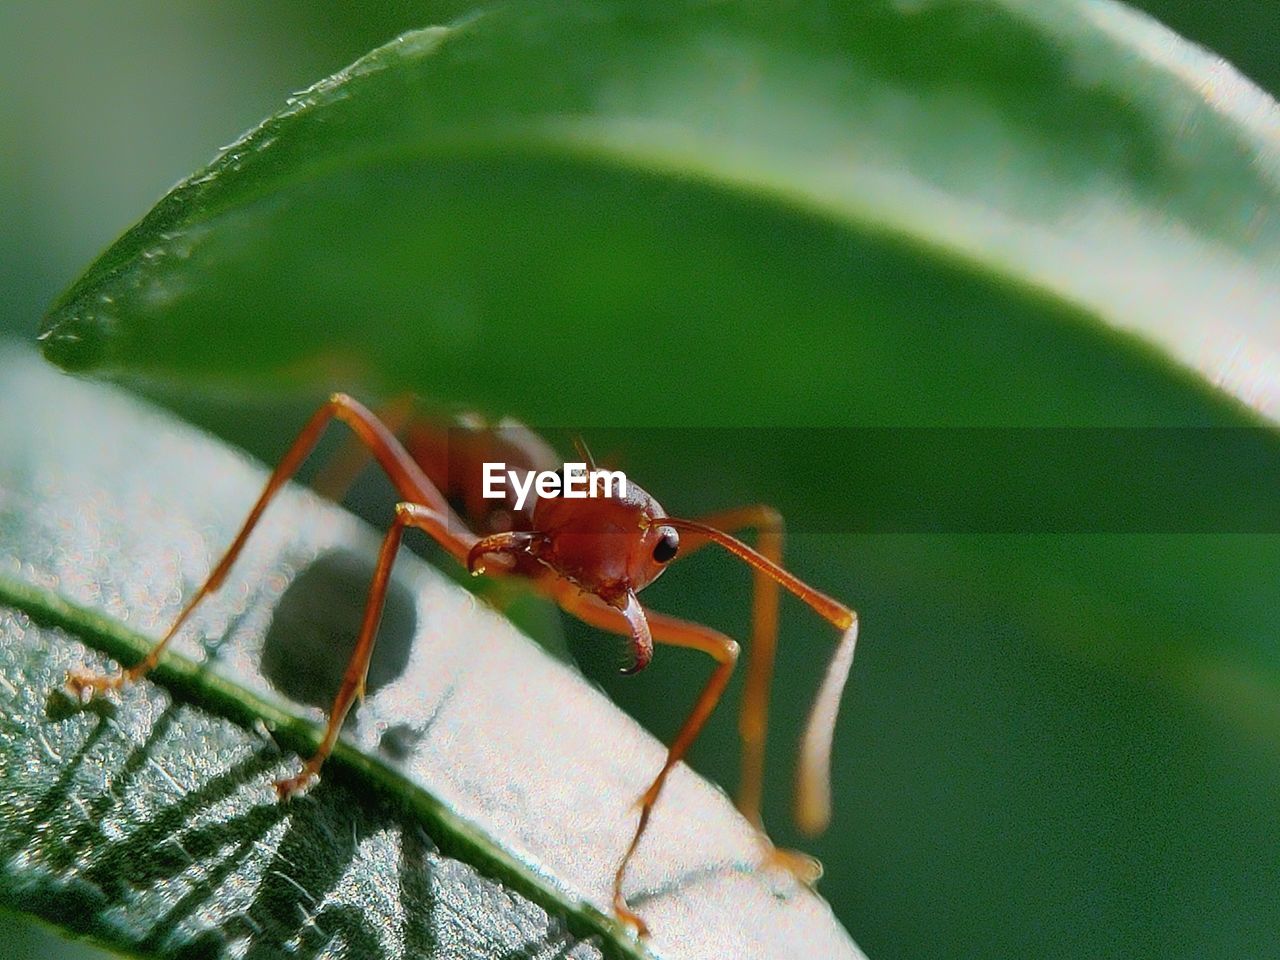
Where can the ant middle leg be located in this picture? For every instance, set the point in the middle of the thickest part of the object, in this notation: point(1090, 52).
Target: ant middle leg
point(353, 680)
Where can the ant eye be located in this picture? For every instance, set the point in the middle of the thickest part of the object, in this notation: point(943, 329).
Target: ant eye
point(665, 549)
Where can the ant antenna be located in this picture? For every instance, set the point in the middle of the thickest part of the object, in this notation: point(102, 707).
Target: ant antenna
point(813, 771)
point(581, 446)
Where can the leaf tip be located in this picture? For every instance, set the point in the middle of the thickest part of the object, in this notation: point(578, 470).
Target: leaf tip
point(72, 336)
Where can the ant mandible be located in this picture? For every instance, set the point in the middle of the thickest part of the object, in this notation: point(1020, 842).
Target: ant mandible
point(591, 556)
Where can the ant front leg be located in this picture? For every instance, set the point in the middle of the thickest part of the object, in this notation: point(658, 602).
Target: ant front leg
point(407, 476)
point(673, 632)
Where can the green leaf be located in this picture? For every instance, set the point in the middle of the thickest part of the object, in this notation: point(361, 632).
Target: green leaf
point(479, 807)
point(650, 201)
point(1241, 32)
point(1058, 741)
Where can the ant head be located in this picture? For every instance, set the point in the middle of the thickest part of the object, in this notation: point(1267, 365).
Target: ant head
point(607, 544)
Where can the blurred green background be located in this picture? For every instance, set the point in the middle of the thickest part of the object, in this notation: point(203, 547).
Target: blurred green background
point(105, 106)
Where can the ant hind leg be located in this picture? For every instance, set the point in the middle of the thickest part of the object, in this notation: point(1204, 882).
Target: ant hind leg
point(407, 476)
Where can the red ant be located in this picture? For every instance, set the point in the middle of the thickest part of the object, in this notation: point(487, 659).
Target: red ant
point(592, 556)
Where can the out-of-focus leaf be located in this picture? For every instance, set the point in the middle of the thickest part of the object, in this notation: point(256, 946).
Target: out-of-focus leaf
point(607, 212)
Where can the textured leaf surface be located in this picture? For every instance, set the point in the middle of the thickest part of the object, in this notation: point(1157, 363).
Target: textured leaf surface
point(479, 810)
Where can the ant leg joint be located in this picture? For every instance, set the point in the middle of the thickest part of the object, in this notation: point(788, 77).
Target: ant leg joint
point(83, 685)
point(407, 510)
point(771, 517)
point(629, 917)
point(290, 787)
point(729, 652)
